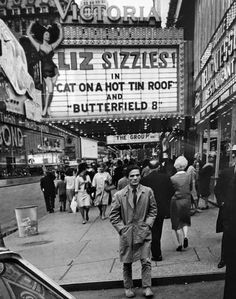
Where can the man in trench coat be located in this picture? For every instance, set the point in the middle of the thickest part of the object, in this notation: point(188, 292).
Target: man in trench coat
point(133, 212)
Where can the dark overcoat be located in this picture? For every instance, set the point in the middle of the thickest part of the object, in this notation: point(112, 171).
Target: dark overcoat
point(163, 191)
point(134, 224)
point(223, 192)
point(47, 185)
point(205, 179)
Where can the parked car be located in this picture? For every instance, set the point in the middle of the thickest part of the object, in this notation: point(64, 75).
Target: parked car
point(21, 280)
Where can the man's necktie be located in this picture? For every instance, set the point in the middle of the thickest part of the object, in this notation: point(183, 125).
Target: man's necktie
point(134, 197)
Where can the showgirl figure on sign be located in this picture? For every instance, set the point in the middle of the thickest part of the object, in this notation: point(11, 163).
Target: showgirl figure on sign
point(45, 40)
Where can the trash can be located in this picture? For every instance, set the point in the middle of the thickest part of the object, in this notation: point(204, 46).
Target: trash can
point(27, 220)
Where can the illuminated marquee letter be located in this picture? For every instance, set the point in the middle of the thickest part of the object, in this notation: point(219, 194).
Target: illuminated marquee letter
point(62, 13)
point(83, 13)
point(61, 62)
point(109, 13)
point(153, 14)
point(129, 11)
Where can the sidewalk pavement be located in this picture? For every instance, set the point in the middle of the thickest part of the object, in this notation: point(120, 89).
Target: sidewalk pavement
point(82, 257)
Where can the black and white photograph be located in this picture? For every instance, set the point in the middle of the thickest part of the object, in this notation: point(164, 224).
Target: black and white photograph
point(117, 149)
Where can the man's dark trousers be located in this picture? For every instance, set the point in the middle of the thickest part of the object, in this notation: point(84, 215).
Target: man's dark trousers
point(156, 237)
point(163, 191)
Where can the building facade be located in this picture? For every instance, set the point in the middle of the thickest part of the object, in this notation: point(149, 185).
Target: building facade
point(212, 31)
point(120, 72)
point(215, 77)
point(27, 145)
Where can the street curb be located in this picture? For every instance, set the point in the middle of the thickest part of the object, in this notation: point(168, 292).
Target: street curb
point(9, 232)
point(156, 281)
point(37, 180)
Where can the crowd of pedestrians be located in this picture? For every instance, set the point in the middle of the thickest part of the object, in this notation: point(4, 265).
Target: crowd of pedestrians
point(144, 195)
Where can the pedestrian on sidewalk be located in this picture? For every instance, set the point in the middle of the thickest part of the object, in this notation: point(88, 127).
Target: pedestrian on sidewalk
point(229, 226)
point(101, 179)
point(192, 172)
point(145, 169)
point(205, 175)
point(118, 172)
point(223, 190)
point(181, 203)
point(82, 184)
point(61, 190)
point(49, 191)
point(197, 165)
point(70, 186)
point(133, 212)
point(124, 181)
point(163, 191)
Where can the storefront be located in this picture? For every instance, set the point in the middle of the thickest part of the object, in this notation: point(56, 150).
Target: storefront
point(27, 147)
point(215, 100)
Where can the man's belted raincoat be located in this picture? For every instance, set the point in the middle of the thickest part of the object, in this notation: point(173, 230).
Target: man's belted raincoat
point(134, 224)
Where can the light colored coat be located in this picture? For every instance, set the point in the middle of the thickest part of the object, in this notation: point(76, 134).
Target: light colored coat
point(101, 196)
point(191, 171)
point(134, 225)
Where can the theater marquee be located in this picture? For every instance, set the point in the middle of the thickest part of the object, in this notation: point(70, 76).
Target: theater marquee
point(133, 138)
point(106, 82)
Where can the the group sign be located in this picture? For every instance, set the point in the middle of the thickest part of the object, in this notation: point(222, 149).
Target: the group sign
point(108, 82)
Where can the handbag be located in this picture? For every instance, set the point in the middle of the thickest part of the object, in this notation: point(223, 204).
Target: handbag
point(89, 188)
point(74, 205)
point(108, 187)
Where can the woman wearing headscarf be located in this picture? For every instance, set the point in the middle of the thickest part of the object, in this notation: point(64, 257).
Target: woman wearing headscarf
point(181, 203)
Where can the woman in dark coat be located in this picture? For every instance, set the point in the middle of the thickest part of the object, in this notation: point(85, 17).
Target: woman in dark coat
point(181, 202)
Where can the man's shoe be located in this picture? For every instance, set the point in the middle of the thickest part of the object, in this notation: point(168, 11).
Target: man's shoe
point(157, 259)
point(185, 242)
point(129, 293)
point(221, 264)
point(179, 248)
point(147, 292)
